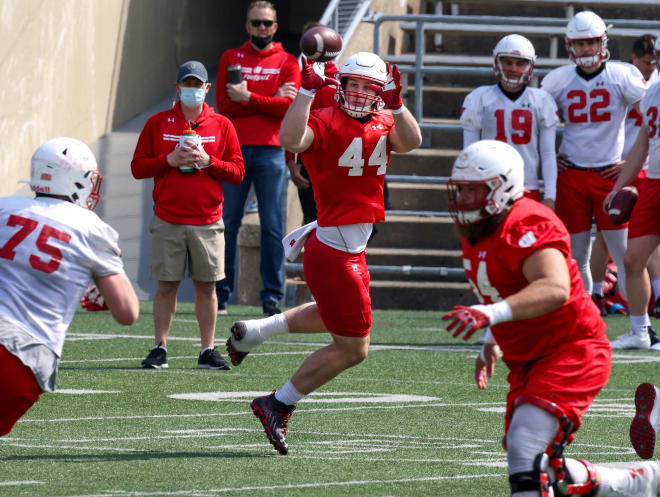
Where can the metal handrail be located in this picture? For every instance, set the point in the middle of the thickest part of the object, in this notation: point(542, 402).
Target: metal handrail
point(439, 272)
point(419, 68)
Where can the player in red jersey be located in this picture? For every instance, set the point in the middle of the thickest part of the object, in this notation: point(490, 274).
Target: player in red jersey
point(346, 150)
point(517, 256)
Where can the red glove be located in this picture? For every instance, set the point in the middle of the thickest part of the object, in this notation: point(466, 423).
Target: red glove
point(466, 319)
point(391, 92)
point(92, 300)
point(311, 80)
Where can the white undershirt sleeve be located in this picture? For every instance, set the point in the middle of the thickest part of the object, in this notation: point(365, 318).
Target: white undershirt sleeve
point(548, 161)
point(470, 136)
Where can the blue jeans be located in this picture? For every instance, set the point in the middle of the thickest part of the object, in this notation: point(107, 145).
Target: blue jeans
point(266, 168)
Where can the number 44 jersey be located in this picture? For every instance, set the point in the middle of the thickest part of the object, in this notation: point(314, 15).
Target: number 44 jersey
point(494, 265)
point(593, 108)
point(347, 162)
point(518, 122)
point(50, 249)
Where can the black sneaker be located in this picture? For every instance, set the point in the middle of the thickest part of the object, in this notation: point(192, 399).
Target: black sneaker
point(653, 335)
point(238, 332)
point(157, 359)
point(274, 416)
point(599, 300)
point(211, 359)
point(222, 309)
point(270, 308)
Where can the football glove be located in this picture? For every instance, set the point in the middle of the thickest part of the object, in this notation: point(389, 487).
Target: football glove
point(391, 92)
point(312, 80)
point(92, 300)
point(465, 320)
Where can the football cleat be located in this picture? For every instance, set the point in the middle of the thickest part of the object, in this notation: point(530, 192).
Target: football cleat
point(274, 416)
point(632, 340)
point(653, 335)
point(157, 359)
point(645, 423)
point(238, 332)
point(599, 300)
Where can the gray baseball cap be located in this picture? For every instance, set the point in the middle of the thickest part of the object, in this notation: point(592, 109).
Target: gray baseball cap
point(192, 68)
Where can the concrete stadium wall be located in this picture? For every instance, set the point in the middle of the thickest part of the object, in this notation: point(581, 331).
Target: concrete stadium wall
point(81, 68)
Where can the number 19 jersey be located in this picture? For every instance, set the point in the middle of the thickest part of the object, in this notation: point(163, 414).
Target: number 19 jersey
point(489, 111)
point(594, 110)
point(347, 162)
point(49, 251)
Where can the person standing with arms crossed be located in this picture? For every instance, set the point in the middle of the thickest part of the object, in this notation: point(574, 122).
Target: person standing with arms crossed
point(187, 229)
point(256, 106)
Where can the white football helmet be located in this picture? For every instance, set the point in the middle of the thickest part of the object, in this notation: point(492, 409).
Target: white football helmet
point(362, 65)
point(487, 178)
point(514, 46)
point(587, 26)
point(66, 166)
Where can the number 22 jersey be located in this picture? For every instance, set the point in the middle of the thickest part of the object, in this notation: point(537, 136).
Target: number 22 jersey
point(49, 251)
point(494, 268)
point(594, 110)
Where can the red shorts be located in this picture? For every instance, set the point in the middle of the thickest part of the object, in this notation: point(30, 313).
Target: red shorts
point(339, 282)
point(533, 194)
point(645, 218)
point(571, 377)
point(18, 394)
point(640, 177)
point(580, 195)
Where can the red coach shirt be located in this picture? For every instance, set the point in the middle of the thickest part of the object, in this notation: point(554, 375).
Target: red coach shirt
point(257, 122)
point(194, 198)
point(494, 268)
point(347, 162)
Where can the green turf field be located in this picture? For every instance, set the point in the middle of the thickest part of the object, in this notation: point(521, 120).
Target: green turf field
point(408, 421)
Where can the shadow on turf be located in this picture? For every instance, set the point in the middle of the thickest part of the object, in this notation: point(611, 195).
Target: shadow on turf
point(133, 457)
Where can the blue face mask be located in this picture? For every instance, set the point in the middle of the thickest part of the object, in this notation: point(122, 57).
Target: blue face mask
point(192, 97)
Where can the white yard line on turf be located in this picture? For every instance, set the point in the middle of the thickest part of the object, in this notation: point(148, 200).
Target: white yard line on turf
point(16, 483)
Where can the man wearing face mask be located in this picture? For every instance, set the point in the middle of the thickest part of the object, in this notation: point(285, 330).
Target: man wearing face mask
point(187, 229)
point(256, 106)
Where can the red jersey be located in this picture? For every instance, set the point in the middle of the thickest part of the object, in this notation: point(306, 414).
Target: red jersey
point(347, 162)
point(194, 198)
point(257, 122)
point(494, 268)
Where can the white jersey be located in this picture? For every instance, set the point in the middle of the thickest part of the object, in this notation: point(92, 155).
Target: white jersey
point(634, 121)
point(49, 251)
point(488, 111)
point(594, 110)
point(650, 108)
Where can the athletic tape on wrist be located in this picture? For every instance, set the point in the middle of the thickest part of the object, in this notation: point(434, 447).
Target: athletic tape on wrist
point(306, 92)
point(399, 110)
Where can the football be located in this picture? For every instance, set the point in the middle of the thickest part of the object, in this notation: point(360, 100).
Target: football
point(622, 204)
point(320, 44)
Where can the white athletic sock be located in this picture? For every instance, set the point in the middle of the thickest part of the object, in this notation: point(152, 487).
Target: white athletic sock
point(288, 394)
point(638, 324)
point(273, 325)
point(206, 348)
point(597, 288)
point(640, 480)
point(257, 331)
point(159, 347)
point(655, 283)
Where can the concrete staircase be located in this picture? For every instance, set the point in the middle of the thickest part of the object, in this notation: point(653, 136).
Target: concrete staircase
point(411, 239)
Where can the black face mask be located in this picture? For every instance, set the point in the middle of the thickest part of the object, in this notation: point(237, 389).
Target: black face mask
point(261, 41)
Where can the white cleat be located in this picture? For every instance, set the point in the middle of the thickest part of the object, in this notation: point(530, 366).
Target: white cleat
point(632, 340)
point(643, 479)
point(646, 422)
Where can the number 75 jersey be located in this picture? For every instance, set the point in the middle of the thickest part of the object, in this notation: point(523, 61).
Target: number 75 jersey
point(594, 110)
point(347, 162)
point(49, 251)
point(495, 116)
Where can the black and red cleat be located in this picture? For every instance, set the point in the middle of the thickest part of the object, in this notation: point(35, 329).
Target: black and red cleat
point(642, 428)
point(274, 416)
point(238, 331)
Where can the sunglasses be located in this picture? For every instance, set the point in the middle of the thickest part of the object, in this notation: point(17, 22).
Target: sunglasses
point(258, 22)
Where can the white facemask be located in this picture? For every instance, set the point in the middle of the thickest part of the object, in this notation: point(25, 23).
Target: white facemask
point(192, 97)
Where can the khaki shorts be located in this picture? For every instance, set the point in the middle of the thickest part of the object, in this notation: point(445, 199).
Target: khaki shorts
point(176, 246)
